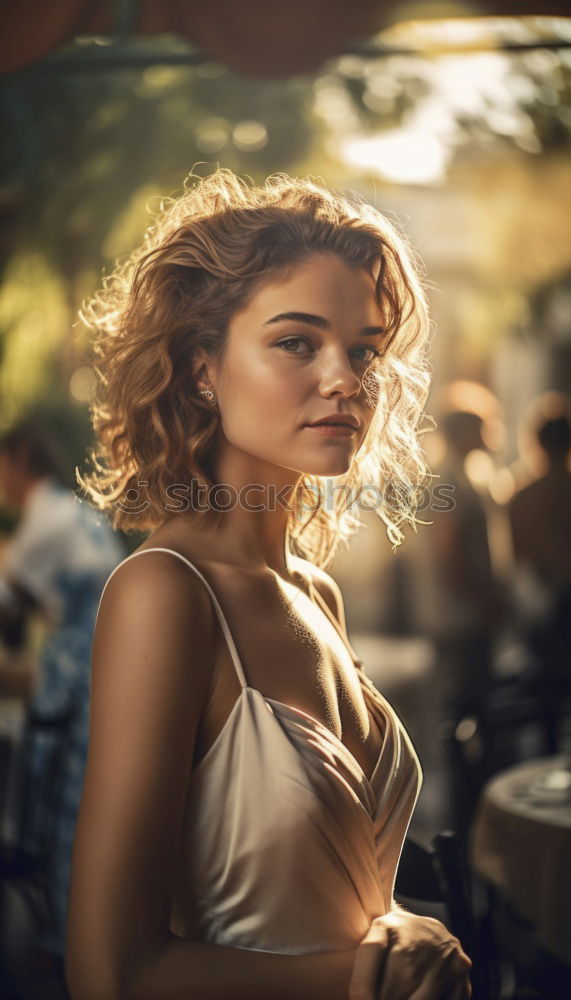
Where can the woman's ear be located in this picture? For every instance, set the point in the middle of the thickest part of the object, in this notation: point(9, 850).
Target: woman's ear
point(203, 370)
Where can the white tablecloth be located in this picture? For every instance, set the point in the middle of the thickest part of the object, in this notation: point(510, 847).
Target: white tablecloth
point(521, 841)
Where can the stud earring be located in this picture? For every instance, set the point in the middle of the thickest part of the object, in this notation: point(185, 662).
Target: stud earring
point(208, 395)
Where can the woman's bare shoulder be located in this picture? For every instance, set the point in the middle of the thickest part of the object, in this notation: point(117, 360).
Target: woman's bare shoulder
point(152, 575)
point(155, 601)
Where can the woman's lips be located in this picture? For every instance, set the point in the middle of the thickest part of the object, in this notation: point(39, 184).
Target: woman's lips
point(333, 430)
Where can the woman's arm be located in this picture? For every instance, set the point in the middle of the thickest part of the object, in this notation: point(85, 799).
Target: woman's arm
point(153, 651)
point(190, 970)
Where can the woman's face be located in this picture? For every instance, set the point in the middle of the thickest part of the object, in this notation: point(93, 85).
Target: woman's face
point(295, 354)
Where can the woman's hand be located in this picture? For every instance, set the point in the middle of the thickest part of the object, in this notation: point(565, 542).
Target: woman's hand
point(407, 957)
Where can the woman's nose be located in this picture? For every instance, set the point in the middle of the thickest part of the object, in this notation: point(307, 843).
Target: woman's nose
point(338, 375)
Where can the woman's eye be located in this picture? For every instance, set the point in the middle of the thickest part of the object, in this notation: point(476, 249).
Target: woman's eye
point(375, 353)
point(291, 340)
point(286, 344)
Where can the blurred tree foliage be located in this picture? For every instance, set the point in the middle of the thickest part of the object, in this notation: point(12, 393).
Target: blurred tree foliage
point(84, 153)
point(531, 112)
point(80, 145)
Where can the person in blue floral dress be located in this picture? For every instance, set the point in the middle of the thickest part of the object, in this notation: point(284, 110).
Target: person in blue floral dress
point(56, 562)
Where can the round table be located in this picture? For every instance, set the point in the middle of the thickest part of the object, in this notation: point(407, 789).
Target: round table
point(521, 841)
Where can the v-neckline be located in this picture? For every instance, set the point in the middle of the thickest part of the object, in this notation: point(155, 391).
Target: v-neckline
point(315, 724)
point(365, 685)
point(369, 779)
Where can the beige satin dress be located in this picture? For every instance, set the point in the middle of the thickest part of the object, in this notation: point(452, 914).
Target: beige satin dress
point(287, 845)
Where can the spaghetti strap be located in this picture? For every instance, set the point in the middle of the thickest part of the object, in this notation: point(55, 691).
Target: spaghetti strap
point(220, 614)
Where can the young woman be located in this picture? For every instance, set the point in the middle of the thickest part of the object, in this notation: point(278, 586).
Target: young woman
point(247, 790)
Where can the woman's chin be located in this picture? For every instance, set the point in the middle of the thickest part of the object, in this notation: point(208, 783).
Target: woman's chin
point(328, 467)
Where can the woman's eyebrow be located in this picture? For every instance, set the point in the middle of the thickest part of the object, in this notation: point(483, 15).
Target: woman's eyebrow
point(321, 322)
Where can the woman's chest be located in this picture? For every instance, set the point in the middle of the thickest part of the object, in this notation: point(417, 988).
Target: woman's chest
point(292, 653)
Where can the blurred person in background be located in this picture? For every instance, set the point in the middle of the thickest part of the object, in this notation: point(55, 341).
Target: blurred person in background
point(453, 595)
point(466, 598)
point(541, 533)
point(54, 564)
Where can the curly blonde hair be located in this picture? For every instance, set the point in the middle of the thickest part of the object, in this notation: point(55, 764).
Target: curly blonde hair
point(202, 259)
